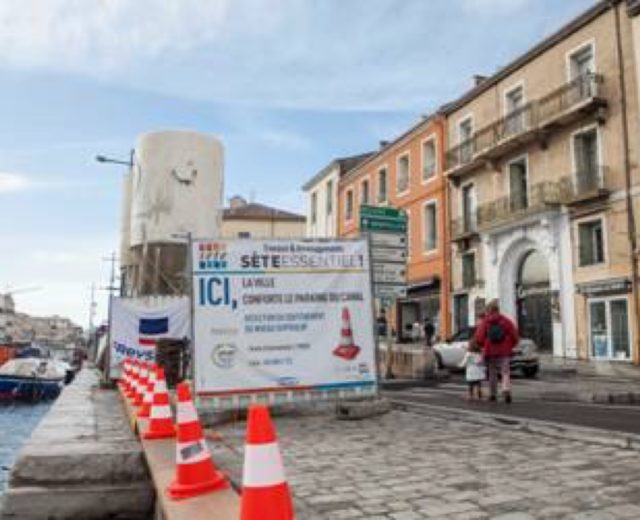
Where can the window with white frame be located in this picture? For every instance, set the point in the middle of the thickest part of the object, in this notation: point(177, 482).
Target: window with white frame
point(609, 333)
point(314, 207)
point(348, 205)
point(468, 269)
point(428, 159)
point(585, 159)
point(329, 195)
point(590, 242)
point(382, 185)
point(582, 66)
point(468, 208)
point(582, 61)
point(465, 133)
point(518, 184)
point(430, 226)
point(402, 174)
point(364, 192)
point(513, 104)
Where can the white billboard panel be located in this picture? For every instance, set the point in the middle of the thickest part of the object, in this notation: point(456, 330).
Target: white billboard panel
point(282, 316)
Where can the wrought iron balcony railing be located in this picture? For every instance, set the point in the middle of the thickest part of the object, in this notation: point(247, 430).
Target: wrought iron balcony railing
point(532, 116)
point(461, 227)
point(587, 183)
point(538, 197)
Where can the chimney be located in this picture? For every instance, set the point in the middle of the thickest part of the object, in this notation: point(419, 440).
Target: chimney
point(237, 202)
point(478, 78)
point(383, 144)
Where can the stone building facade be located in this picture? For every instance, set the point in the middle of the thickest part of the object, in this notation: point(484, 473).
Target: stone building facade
point(543, 168)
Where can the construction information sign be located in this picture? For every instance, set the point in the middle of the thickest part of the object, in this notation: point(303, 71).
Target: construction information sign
point(281, 317)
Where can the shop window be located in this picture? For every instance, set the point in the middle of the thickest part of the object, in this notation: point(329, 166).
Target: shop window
point(402, 174)
point(591, 242)
point(609, 329)
point(382, 185)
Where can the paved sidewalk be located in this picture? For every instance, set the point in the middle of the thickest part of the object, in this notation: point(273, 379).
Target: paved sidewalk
point(404, 466)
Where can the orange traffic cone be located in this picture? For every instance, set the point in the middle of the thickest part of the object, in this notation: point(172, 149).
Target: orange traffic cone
point(145, 408)
point(133, 383)
point(265, 492)
point(142, 384)
point(347, 349)
point(195, 470)
point(160, 422)
point(124, 377)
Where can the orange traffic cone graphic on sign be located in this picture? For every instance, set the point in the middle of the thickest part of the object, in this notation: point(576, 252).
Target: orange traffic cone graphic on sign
point(347, 349)
point(265, 492)
point(145, 409)
point(195, 471)
point(160, 422)
point(142, 384)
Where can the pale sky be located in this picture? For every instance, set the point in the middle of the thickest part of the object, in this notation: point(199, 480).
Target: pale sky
point(287, 85)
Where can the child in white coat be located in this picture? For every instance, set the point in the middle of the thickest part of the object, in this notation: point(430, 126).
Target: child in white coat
point(475, 370)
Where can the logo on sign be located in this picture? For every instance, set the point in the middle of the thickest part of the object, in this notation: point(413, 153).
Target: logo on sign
point(212, 255)
point(224, 355)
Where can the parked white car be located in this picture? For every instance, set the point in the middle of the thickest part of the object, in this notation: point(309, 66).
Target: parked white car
point(449, 353)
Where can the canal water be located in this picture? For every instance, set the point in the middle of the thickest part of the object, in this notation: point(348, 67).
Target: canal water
point(17, 421)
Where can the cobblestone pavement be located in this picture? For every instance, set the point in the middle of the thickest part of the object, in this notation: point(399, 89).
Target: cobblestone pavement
point(403, 466)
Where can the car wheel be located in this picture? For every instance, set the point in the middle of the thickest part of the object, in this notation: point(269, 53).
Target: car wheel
point(530, 371)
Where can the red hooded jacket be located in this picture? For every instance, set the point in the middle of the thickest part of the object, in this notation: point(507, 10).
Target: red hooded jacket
point(505, 347)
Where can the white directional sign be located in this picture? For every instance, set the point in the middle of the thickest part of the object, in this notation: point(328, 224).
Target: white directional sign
point(390, 273)
point(391, 291)
point(388, 240)
point(389, 255)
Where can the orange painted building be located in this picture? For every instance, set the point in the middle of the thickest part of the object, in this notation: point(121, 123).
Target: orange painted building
point(407, 173)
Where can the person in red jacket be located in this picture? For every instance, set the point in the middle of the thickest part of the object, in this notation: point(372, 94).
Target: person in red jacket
point(497, 335)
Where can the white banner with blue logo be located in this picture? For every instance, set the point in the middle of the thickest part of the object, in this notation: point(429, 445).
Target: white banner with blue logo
point(138, 323)
point(277, 317)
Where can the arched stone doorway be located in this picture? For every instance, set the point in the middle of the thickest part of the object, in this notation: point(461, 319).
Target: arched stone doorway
point(534, 300)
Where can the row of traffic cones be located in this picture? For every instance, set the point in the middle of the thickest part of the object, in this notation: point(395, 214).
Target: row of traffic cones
point(265, 492)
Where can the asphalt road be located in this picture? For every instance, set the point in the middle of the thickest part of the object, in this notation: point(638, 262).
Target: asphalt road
point(621, 418)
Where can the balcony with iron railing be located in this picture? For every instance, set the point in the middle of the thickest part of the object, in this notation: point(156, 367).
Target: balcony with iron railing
point(528, 123)
point(464, 227)
point(517, 205)
point(587, 184)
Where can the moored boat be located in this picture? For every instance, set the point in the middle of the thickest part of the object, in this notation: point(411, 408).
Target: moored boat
point(31, 379)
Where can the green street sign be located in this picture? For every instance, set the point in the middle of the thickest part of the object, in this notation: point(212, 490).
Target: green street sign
point(382, 212)
point(369, 224)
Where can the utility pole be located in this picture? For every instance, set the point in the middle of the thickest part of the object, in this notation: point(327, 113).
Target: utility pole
point(92, 314)
point(110, 288)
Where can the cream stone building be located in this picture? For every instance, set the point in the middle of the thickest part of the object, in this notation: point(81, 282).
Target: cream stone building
point(543, 162)
point(321, 196)
point(244, 219)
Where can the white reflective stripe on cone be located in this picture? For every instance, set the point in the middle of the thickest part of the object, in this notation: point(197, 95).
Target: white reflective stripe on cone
point(161, 411)
point(160, 387)
point(262, 465)
point(148, 397)
point(191, 452)
point(186, 413)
